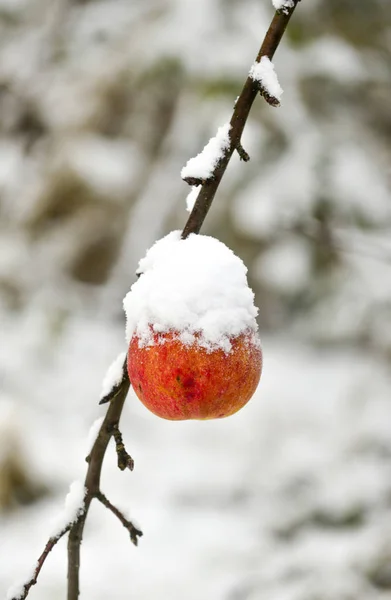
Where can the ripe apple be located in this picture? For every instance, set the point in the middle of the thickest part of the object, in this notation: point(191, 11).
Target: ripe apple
point(180, 381)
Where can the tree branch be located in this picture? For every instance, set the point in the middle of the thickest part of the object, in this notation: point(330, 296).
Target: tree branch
point(133, 531)
point(241, 111)
point(118, 394)
point(125, 461)
point(92, 484)
point(40, 562)
point(194, 223)
point(242, 153)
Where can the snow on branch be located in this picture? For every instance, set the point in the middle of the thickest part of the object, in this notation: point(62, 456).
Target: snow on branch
point(20, 591)
point(283, 5)
point(113, 378)
point(264, 74)
point(192, 197)
point(73, 509)
point(93, 434)
point(200, 168)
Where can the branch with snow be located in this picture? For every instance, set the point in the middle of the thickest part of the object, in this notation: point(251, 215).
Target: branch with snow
point(206, 171)
point(109, 426)
point(20, 591)
point(77, 502)
point(283, 5)
point(264, 75)
point(261, 78)
point(200, 168)
point(111, 386)
point(73, 510)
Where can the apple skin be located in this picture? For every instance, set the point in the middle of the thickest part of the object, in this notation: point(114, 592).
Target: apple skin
point(177, 381)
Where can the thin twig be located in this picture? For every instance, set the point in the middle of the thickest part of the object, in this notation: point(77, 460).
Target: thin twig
point(133, 531)
point(92, 484)
point(271, 100)
point(40, 562)
point(125, 461)
point(196, 181)
point(242, 153)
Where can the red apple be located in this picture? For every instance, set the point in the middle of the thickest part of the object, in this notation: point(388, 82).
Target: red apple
point(178, 381)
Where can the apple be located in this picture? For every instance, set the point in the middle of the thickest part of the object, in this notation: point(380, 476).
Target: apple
point(178, 381)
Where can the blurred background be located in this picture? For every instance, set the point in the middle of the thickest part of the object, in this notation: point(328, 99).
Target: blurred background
point(101, 104)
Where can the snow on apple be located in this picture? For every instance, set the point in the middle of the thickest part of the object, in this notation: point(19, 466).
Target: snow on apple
point(263, 72)
point(194, 352)
point(202, 166)
point(197, 287)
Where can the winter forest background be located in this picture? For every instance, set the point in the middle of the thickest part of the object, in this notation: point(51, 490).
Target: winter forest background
point(101, 104)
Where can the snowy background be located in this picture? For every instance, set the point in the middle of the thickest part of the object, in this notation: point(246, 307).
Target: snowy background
point(101, 105)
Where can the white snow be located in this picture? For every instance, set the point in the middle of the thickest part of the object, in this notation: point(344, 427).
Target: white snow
point(264, 72)
point(16, 590)
point(93, 434)
point(192, 197)
point(74, 507)
point(192, 286)
point(113, 375)
point(283, 4)
point(202, 165)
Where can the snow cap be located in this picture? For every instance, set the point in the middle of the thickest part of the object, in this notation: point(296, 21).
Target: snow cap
point(196, 288)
